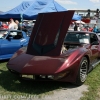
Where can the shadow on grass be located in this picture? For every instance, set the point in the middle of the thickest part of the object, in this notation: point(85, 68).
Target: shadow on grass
point(3, 61)
point(11, 83)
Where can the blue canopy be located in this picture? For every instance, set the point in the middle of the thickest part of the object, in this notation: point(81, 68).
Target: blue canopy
point(29, 10)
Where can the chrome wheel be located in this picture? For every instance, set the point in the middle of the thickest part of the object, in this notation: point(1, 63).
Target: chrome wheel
point(83, 70)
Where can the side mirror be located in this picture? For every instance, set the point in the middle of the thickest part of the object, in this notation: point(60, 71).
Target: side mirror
point(95, 43)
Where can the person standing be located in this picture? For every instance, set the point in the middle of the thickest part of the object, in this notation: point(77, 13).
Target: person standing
point(75, 27)
point(95, 28)
point(18, 24)
point(12, 25)
point(0, 23)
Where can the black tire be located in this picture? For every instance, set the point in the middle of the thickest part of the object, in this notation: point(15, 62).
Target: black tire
point(82, 72)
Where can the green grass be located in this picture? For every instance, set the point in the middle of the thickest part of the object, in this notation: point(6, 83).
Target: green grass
point(93, 81)
point(11, 87)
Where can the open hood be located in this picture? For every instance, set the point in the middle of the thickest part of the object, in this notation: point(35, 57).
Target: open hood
point(48, 33)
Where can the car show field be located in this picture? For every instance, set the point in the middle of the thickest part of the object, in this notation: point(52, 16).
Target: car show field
point(50, 50)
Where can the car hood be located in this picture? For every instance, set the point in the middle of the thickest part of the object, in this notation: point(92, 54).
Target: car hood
point(35, 64)
point(30, 64)
point(48, 33)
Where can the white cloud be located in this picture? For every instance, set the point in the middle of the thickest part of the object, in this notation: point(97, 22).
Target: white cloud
point(66, 2)
point(95, 1)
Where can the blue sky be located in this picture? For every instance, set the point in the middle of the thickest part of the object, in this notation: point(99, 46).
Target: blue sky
point(6, 5)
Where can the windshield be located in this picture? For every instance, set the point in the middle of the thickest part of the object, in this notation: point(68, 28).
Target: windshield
point(3, 34)
point(77, 37)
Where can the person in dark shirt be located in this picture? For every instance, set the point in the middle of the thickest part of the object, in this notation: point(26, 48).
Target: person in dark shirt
point(75, 27)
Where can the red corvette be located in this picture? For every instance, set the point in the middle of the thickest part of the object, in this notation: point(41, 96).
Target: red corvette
point(54, 55)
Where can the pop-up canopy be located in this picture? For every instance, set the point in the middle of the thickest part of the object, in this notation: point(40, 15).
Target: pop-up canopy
point(29, 10)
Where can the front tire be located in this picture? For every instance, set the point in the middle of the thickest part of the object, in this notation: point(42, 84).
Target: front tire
point(82, 72)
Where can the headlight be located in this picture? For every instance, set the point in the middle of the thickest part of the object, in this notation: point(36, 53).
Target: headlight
point(28, 76)
point(58, 76)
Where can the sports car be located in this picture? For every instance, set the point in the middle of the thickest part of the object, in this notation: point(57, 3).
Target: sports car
point(53, 53)
point(11, 41)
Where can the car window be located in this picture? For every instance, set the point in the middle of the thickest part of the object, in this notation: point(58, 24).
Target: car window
point(93, 38)
point(77, 37)
point(3, 34)
point(15, 35)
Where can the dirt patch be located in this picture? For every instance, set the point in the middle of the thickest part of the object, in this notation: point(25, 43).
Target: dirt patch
point(98, 94)
point(69, 93)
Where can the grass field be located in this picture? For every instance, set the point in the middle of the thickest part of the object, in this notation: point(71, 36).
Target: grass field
point(11, 87)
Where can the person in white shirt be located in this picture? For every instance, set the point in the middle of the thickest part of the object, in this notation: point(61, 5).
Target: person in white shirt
point(12, 25)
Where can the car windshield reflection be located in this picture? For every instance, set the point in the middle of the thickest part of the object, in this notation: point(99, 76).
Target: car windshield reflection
point(3, 34)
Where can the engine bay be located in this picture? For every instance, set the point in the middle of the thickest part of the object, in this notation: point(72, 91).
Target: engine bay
point(66, 47)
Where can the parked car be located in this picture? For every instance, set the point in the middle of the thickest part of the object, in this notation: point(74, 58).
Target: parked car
point(51, 57)
point(11, 41)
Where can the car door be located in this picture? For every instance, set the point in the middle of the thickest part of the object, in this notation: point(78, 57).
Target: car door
point(11, 44)
point(94, 47)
